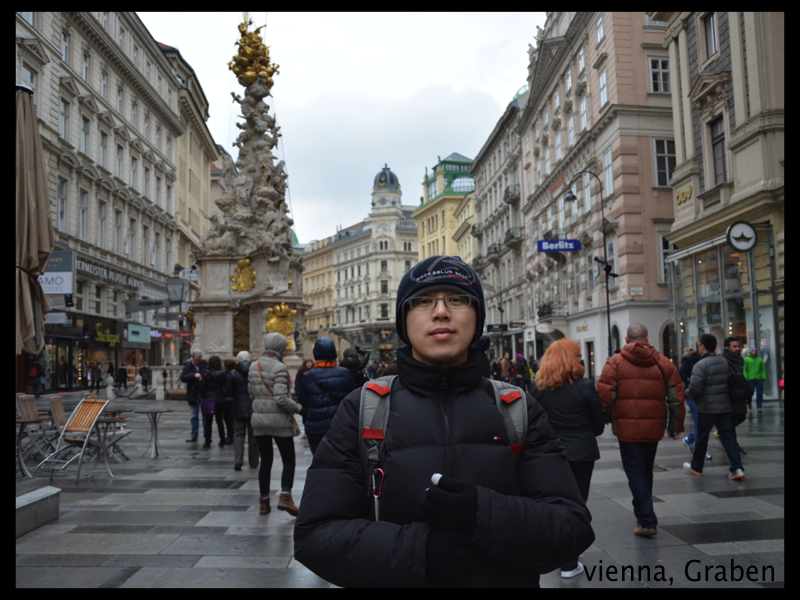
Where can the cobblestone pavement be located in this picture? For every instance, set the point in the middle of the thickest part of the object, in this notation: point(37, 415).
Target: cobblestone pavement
point(188, 519)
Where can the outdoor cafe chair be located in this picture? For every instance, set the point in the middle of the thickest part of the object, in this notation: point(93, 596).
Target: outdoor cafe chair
point(38, 441)
point(77, 434)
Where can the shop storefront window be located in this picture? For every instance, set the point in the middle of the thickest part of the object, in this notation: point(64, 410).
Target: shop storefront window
point(708, 275)
point(686, 326)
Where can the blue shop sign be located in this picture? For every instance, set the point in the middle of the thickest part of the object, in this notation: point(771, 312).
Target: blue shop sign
point(558, 245)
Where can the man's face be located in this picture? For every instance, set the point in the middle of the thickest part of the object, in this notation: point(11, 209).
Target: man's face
point(197, 358)
point(734, 346)
point(441, 336)
point(753, 352)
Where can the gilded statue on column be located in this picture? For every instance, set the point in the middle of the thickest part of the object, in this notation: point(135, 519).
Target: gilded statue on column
point(244, 277)
point(280, 321)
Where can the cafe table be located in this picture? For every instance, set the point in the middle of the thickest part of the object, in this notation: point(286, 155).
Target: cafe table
point(154, 414)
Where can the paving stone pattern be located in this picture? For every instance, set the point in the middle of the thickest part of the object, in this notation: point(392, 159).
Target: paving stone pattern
point(188, 519)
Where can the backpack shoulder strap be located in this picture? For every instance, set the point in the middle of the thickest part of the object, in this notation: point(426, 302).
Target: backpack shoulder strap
point(373, 417)
point(513, 405)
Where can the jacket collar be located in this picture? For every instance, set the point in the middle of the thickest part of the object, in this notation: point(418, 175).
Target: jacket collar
point(273, 354)
point(433, 380)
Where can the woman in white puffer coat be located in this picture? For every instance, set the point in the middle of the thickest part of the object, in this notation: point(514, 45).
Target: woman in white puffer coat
point(273, 417)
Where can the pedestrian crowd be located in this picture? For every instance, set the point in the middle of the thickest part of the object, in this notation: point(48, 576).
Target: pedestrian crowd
point(435, 469)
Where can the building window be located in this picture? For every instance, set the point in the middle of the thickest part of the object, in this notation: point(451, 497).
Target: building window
point(571, 130)
point(121, 38)
point(528, 179)
point(568, 79)
point(710, 28)
point(119, 160)
point(558, 145)
point(62, 205)
point(65, 46)
point(85, 127)
point(118, 232)
point(135, 115)
point(28, 16)
point(547, 161)
point(408, 265)
point(145, 246)
point(527, 144)
point(603, 88)
point(146, 182)
point(718, 150)
point(169, 147)
point(103, 149)
point(545, 118)
point(82, 215)
point(104, 85)
point(384, 287)
point(581, 60)
point(86, 61)
point(133, 172)
point(136, 56)
point(583, 114)
point(98, 300)
point(600, 33)
point(664, 248)
point(536, 128)
point(101, 225)
point(609, 173)
point(147, 127)
point(79, 290)
point(538, 172)
point(169, 200)
point(113, 303)
point(64, 119)
point(168, 257)
point(384, 266)
point(612, 260)
point(659, 75)
point(28, 77)
point(119, 100)
point(587, 193)
point(556, 100)
point(665, 161)
point(130, 242)
point(384, 311)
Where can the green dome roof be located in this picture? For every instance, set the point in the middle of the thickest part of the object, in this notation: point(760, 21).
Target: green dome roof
point(521, 92)
point(295, 242)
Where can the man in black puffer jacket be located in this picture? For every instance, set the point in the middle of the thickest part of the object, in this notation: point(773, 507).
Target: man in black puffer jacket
point(709, 387)
point(494, 519)
point(321, 390)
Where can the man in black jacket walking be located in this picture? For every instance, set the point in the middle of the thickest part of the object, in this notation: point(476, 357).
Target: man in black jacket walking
point(192, 376)
point(709, 386)
point(493, 519)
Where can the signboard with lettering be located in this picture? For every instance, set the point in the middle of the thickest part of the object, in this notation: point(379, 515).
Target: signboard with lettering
point(518, 325)
point(637, 291)
point(105, 336)
point(137, 305)
point(59, 276)
point(497, 327)
point(189, 274)
point(558, 245)
point(109, 274)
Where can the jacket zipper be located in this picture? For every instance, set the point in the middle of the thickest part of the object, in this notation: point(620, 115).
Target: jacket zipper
point(449, 454)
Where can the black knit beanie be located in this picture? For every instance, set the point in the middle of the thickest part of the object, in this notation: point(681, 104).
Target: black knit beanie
point(439, 274)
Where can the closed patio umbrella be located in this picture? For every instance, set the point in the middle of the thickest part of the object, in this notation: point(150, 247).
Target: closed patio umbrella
point(34, 228)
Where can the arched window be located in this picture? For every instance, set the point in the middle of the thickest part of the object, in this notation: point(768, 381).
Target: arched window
point(464, 184)
point(615, 338)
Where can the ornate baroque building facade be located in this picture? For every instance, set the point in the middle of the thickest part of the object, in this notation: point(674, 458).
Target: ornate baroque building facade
point(443, 191)
point(369, 259)
point(499, 232)
point(108, 102)
point(318, 291)
point(728, 100)
point(599, 101)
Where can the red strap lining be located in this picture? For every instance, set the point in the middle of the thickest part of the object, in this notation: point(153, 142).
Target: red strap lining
point(510, 396)
point(516, 448)
point(382, 390)
point(372, 434)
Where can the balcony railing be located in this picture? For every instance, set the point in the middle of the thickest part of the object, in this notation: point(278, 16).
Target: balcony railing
point(478, 263)
point(550, 310)
point(513, 236)
point(511, 195)
point(493, 252)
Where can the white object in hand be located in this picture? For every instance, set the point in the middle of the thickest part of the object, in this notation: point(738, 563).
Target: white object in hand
point(435, 478)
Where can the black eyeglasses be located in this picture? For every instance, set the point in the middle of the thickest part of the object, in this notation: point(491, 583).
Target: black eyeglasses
point(428, 303)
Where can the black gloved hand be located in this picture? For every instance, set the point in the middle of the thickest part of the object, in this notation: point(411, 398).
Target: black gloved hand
point(449, 558)
point(451, 505)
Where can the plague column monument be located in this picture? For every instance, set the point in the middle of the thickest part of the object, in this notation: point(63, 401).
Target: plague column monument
point(249, 274)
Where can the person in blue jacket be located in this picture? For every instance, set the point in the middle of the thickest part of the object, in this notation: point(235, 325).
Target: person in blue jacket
point(321, 390)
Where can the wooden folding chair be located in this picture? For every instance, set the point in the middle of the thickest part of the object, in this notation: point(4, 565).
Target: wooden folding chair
point(77, 434)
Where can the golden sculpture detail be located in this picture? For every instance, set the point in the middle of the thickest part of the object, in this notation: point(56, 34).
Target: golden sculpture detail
point(280, 321)
point(252, 60)
point(244, 277)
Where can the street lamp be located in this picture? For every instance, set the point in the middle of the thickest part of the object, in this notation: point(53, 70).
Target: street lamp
point(570, 197)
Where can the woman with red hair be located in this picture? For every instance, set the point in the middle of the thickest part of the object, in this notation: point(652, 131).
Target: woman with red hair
point(575, 413)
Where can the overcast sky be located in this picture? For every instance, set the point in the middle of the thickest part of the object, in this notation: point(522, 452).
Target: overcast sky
point(357, 90)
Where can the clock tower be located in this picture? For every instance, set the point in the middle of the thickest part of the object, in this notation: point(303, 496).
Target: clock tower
point(387, 198)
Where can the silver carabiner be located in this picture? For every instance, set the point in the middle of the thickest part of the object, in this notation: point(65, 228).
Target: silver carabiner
point(377, 491)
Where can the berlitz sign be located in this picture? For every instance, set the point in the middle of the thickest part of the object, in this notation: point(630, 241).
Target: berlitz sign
point(558, 245)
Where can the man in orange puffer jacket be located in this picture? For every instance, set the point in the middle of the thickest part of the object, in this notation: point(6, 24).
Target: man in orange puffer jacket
point(639, 388)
